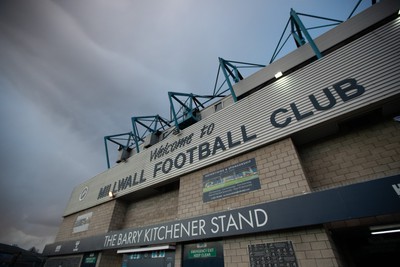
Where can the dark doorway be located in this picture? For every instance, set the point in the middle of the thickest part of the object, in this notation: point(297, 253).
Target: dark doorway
point(358, 247)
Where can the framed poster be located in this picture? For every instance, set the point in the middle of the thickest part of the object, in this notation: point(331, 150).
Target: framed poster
point(233, 180)
point(82, 223)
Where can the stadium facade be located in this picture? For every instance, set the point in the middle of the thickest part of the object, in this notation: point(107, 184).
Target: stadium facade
point(299, 170)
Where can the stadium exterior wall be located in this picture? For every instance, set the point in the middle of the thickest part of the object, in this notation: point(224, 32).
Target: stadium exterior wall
point(289, 167)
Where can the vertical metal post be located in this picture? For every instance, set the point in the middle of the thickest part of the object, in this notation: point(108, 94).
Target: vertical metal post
point(222, 65)
point(135, 134)
point(108, 159)
point(303, 29)
point(173, 109)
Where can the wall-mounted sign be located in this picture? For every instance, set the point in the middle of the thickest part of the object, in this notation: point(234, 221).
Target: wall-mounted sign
point(89, 260)
point(230, 181)
point(83, 194)
point(203, 254)
point(272, 254)
point(82, 223)
point(367, 199)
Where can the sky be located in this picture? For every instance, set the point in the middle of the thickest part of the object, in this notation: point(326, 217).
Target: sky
point(72, 72)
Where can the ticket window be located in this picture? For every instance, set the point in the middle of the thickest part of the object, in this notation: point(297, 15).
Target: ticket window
point(157, 258)
point(208, 254)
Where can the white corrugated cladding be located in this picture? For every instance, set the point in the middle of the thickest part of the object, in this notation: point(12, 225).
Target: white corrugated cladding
point(340, 33)
point(372, 60)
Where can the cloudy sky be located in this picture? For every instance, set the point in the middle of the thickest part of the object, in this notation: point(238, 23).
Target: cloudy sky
point(72, 72)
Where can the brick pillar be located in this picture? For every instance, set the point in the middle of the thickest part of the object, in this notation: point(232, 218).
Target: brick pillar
point(110, 258)
point(118, 215)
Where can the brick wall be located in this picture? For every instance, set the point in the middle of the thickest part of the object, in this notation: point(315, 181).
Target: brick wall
point(100, 221)
point(280, 172)
point(118, 215)
point(360, 153)
point(313, 247)
point(158, 208)
point(178, 255)
point(110, 258)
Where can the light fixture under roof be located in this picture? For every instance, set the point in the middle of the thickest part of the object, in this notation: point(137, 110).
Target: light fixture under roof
point(278, 74)
point(385, 229)
point(385, 232)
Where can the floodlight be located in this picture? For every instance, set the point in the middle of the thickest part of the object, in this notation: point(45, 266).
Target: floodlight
point(278, 74)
